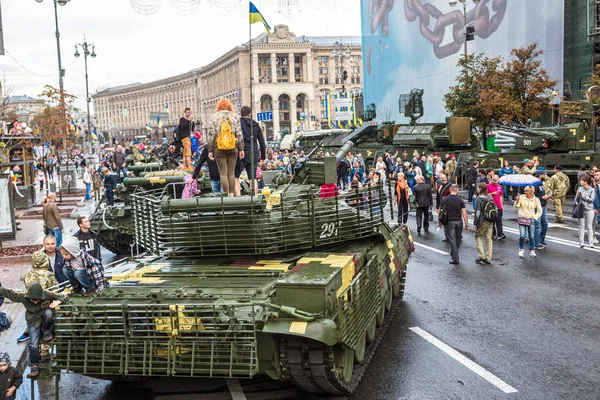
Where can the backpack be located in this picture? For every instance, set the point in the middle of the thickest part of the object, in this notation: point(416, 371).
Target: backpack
point(443, 217)
point(490, 211)
point(226, 139)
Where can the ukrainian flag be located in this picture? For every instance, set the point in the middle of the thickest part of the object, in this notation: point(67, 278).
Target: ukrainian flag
point(159, 122)
point(256, 16)
point(94, 134)
point(148, 127)
point(72, 126)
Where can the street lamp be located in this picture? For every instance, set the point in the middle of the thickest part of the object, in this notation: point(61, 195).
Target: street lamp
point(469, 30)
point(86, 47)
point(339, 50)
point(61, 72)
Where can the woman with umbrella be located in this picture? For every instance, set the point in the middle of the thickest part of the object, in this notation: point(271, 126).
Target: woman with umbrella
point(529, 209)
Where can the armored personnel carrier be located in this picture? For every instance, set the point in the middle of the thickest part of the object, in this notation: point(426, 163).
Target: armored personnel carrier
point(570, 144)
point(298, 283)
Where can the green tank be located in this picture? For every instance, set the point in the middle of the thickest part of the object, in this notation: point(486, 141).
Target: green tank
point(113, 224)
point(569, 144)
point(297, 283)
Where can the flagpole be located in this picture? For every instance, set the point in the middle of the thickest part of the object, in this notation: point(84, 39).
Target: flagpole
point(252, 166)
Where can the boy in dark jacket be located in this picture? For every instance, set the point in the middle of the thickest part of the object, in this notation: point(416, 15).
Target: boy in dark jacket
point(39, 314)
point(10, 378)
point(110, 185)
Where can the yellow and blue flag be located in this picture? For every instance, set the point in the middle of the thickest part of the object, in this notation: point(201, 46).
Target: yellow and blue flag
point(159, 122)
point(94, 134)
point(166, 107)
point(72, 126)
point(256, 16)
point(148, 127)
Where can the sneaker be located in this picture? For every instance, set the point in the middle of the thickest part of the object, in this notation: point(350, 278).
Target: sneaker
point(23, 338)
point(488, 262)
point(532, 254)
point(48, 336)
point(501, 237)
point(544, 244)
point(592, 246)
point(453, 262)
point(76, 290)
point(521, 253)
point(479, 261)
point(540, 247)
point(581, 245)
point(35, 372)
point(89, 292)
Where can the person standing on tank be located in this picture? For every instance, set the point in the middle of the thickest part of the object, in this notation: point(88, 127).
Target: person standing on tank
point(184, 131)
point(251, 129)
point(222, 121)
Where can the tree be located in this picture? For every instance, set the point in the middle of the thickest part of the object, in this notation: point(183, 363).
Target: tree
point(492, 91)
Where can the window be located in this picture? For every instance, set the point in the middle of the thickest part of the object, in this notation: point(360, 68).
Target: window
point(323, 59)
point(338, 81)
point(322, 103)
point(323, 70)
point(297, 71)
point(356, 70)
point(323, 114)
point(324, 81)
point(356, 80)
point(336, 59)
point(297, 60)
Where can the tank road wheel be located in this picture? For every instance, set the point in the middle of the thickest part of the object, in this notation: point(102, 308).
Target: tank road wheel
point(359, 352)
point(402, 284)
point(343, 362)
point(396, 286)
point(388, 299)
point(372, 330)
point(380, 314)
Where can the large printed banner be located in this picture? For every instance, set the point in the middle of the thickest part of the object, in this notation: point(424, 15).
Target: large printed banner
point(411, 44)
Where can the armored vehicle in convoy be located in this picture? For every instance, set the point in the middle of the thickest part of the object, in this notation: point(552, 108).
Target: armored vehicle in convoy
point(571, 143)
point(297, 283)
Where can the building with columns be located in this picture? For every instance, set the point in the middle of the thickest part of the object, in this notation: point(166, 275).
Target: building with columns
point(292, 77)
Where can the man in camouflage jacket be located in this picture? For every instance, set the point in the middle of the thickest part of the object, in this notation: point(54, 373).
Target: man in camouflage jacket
point(559, 185)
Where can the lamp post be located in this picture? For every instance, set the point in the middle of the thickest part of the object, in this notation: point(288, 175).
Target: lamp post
point(61, 72)
point(469, 30)
point(85, 46)
point(339, 50)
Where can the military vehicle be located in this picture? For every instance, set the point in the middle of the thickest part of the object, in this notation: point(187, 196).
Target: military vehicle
point(113, 224)
point(569, 144)
point(297, 284)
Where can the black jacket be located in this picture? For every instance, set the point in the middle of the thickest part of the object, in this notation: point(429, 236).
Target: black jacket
point(11, 377)
point(473, 174)
point(110, 182)
point(423, 196)
point(442, 192)
point(213, 169)
point(184, 130)
point(258, 135)
point(89, 243)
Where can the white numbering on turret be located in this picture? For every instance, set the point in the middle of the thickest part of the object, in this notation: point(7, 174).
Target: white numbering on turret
point(330, 229)
point(527, 142)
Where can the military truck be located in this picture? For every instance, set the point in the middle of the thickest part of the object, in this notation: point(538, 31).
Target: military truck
point(297, 284)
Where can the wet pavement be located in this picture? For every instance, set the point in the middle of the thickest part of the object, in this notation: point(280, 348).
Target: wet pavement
point(531, 324)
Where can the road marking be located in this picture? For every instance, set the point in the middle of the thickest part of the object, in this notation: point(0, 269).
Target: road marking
point(557, 240)
point(476, 368)
point(431, 248)
point(237, 393)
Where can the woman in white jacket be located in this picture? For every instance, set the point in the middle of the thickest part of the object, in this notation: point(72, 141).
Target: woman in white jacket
point(87, 179)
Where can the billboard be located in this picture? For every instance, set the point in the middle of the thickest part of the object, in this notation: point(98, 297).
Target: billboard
point(411, 44)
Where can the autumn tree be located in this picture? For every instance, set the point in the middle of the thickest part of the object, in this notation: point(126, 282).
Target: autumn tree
point(490, 90)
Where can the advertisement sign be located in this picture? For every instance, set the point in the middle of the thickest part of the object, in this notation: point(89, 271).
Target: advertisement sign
point(417, 43)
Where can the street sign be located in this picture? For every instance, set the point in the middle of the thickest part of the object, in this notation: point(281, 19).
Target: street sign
point(344, 115)
point(264, 116)
point(162, 115)
point(343, 102)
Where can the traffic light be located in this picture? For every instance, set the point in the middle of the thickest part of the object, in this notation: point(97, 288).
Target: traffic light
point(470, 33)
point(344, 75)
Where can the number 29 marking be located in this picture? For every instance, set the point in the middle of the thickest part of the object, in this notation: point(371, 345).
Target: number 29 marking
point(330, 229)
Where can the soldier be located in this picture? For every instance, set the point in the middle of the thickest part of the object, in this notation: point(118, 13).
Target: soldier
point(529, 167)
point(450, 168)
point(138, 157)
point(559, 185)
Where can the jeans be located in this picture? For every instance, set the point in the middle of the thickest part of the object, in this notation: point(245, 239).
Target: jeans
point(47, 325)
point(474, 203)
point(472, 188)
point(78, 278)
point(119, 169)
point(586, 224)
point(215, 186)
point(110, 196)
point(526, 231)
point(422, 218)
point(498, 230)
point(505, 189)
point(454, 235)
point(57, 233)
point(88, 190)
point(541, 227)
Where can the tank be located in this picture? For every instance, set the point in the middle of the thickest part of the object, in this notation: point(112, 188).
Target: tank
point(571, 143)
point(113, 224)
point(297, 283)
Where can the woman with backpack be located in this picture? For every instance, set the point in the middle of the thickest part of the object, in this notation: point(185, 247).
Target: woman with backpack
point(225, 142)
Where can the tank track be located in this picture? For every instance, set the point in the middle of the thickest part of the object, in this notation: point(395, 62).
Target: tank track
point(309, 364)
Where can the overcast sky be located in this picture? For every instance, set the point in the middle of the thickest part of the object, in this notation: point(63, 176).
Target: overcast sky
point(132, 47)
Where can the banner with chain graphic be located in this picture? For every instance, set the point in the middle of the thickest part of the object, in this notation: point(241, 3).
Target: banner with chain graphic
point(417, 43)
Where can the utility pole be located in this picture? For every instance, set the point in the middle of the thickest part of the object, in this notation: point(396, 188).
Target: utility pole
point(1, 34)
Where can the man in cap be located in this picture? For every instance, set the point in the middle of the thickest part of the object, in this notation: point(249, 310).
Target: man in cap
point(529, 167)
point(558, 184)
point(450, 168)
point(541, 224)
point(39, 315)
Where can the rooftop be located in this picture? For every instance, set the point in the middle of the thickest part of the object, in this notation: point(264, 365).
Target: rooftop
point(21, 99)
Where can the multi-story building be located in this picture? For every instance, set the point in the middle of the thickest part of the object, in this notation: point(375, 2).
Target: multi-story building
point(292, 77)
point(24, 107)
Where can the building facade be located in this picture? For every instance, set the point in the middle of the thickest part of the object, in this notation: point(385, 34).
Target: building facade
point(24, 107)
point(292, 77)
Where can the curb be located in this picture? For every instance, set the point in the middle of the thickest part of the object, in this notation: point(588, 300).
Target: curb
point(12, 259)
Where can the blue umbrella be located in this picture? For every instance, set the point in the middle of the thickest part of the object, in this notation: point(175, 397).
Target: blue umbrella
point(519, 180)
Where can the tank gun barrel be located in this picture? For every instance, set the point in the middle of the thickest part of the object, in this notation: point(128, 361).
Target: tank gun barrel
point(152, 181)
point(527, 131)
point(343, 151)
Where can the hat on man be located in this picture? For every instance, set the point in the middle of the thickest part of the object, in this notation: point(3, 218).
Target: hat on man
point(527, 160)
point(540, 172)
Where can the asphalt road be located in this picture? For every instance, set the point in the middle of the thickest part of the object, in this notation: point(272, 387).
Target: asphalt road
point(530, 326)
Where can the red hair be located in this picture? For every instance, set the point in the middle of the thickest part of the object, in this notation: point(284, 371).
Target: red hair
point(224, 105)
